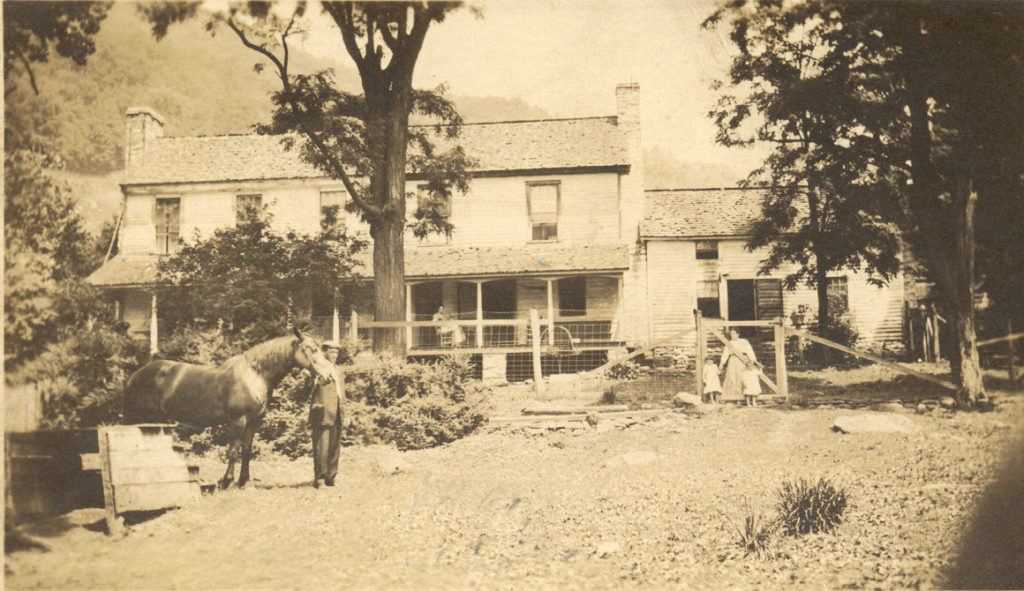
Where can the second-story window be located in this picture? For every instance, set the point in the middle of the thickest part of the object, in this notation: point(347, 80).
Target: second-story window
point(543, 200)
point(332, 201)
point(248, 208)
point(443, 206)
point(167, 219)
point(707, 249)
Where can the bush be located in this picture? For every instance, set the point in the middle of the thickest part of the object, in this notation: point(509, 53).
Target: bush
point(81, 378)
point(806, 507)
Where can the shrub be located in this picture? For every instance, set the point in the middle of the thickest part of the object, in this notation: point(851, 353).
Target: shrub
point(81, 378)
point(627, 370)
point(810, 507)
point(412, 405)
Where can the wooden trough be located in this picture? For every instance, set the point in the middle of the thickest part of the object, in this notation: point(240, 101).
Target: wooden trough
point(122, 468)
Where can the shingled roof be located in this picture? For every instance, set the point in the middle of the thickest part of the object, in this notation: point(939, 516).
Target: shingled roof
point(593, 142)
point(684, 213)
point(433, 261)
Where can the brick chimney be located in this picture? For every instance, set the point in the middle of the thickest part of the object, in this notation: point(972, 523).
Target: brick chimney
point(627, 101)
point(144, 125)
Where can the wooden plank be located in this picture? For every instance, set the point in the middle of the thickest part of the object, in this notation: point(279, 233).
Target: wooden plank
point(428, 323)
point(91, 461)
point(872, 357)
point(154, 495)
point(535, 336)
point(1009, 337)
point(729, 323)
point(114, 523)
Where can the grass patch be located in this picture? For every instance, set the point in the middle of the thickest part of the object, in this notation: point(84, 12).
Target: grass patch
point(810, 507)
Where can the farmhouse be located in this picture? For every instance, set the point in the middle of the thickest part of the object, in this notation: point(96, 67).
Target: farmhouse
point(556, 219)
point(549, 223)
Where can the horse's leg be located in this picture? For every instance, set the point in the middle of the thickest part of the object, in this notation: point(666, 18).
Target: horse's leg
point(251, 427)
point(237, 428)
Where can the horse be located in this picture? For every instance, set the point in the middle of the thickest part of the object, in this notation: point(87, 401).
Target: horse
point(234, 392)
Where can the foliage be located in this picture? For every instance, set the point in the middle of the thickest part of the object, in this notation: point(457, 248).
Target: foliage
point(365, 141)
point(47, 251)
point(32, 28)
point(81, 378)
point(810, 507)
point(247, 280)
point(387, 400)
point(821, 210)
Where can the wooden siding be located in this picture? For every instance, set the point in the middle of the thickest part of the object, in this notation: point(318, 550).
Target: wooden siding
point(674, 272)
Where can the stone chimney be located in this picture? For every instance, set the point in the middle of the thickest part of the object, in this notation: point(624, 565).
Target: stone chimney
point(627, 101)
point(144, 125)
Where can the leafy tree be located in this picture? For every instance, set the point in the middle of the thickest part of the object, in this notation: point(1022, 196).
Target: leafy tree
point(32, 28)
point(366, 141)
point(247, 280)
point(935, 112)
point(791, 85)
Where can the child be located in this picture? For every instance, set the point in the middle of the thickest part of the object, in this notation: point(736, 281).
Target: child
point(751, 383)
point(712, 385)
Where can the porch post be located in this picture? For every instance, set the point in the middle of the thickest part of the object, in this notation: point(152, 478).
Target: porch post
point(353, 327)
point(335, 325)
point(479, 314)
point(153, 347)
point(408, 316)
point(551, 313)
point(698, 353)
point(723, 296)
point(618, 320)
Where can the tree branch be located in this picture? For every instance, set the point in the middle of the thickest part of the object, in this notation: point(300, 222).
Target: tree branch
point(28, 69)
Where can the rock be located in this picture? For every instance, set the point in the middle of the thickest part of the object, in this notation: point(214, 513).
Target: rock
point(874, 423)
point(631, 458)
point(947, 402)
point(921, 408)
point(892, 407)
point(607, 548)
point(592, 419)
point(686, 399)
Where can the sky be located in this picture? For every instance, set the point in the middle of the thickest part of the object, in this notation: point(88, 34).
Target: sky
point(566, 57)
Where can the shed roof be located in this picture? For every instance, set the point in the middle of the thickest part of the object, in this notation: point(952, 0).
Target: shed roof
point(683, 213)
point(506, 146)
point(431, 261)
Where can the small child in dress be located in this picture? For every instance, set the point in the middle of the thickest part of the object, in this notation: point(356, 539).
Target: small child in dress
point(751, 383)
point(712, 385)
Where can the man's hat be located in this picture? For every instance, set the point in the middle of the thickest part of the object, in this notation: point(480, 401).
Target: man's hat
point(330, 345)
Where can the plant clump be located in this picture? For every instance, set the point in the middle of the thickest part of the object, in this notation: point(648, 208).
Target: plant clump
point(810, 507)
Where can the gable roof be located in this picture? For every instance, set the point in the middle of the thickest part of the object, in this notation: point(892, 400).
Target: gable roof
point(592, 142)
point(682, 213)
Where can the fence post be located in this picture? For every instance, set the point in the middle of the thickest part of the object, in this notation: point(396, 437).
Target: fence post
point(1010, 352)
point(698, 351)
point(154, 346)
point(353, 328)
point(781, 380)
point(535, 338)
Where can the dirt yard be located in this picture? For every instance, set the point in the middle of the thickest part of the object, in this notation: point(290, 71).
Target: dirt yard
point(645, 502)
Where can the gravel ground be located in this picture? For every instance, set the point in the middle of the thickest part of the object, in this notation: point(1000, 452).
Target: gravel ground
point(647, 502)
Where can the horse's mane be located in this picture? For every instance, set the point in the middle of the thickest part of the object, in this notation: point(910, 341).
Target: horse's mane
point(267, 357)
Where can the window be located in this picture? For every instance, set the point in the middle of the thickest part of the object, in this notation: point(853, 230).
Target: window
point(707, 249)
point(572, 296)
point(707, 299)
point(543, 203)
point(838, 292)
point(247, 208)
point(443, 202)
point(332, 203)
point(167, 219)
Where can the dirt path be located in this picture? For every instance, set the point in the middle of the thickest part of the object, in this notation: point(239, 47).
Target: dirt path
point(521, 507)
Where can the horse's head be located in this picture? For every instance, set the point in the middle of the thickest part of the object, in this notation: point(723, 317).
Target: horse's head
point(309, 355)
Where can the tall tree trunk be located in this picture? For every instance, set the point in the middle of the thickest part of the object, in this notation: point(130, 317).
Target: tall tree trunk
point(388, 230)
point(962, 301)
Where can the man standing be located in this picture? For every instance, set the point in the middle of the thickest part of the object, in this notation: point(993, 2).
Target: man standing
point(325, 421)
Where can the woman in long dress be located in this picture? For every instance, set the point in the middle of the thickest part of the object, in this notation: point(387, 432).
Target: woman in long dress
point(736, 356)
